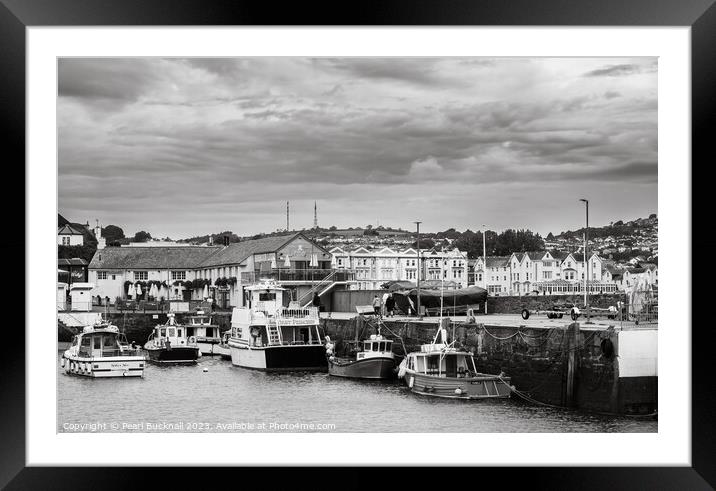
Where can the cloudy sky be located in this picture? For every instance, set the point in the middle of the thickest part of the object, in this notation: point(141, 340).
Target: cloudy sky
point(184, 147)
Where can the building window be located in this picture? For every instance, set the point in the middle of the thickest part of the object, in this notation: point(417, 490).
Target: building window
point(141, 275)
point(101, 275)
point(547, 275)
point(178, 275)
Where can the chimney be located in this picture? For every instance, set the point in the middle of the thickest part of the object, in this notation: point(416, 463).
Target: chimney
point(226, 240)
point(211, 240)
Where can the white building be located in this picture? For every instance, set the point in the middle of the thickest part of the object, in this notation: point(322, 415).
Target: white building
point(374, 267)
point(541, 272)
point(69, 235)
point(293, 260)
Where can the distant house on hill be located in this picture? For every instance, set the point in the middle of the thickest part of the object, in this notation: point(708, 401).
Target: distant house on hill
point(70, 235)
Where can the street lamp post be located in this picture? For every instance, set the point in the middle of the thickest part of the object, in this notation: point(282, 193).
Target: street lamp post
point(419, 267)
point(586, 258)
point(484, 263)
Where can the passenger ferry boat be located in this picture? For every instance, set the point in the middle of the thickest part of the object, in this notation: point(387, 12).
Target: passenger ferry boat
point(169, 343)
point(268, 336)
point(100, 351)
point(441, 370)
point(207, 335)
point(374, 361)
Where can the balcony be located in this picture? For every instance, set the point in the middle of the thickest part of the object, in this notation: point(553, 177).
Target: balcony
point(298, 275)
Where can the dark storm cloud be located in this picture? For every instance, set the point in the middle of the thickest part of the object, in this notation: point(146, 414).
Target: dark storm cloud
point(119, 80)
point(619, 70)
point(148, 134)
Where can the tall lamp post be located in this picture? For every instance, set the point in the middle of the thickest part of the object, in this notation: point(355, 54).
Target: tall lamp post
point(586, 258)
point(484, 263)
point(419, 267)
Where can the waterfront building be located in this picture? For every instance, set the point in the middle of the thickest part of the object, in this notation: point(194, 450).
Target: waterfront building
point(297, 263)
point(373, 267)
point(541, 272)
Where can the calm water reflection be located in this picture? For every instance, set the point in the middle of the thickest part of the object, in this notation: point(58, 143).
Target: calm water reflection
point(242, 400)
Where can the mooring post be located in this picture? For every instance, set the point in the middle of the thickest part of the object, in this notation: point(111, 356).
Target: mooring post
point(572, 362)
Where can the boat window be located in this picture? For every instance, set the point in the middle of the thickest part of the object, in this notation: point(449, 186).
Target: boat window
point(433, 363)
point(366, 346)
point(265, 297)
point(420, 364)
point(85, 341)
point(178, 332)
point(108, 341)
point(163, 332)
point(97, 342)
point(170, 332)
point(74, 341)
point(382, 347)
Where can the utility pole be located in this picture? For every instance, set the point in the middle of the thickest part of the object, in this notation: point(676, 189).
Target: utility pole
point(586, 258)
point(484, 262)
point(419, 267)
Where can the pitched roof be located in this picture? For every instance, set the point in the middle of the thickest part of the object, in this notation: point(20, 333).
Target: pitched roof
point(75, 261)
point(189, 257)
point(238, 251)
point(68, 229)
point(497, 261)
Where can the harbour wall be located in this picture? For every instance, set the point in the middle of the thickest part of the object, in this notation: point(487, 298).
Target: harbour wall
point(346, 301)
point(566, 366)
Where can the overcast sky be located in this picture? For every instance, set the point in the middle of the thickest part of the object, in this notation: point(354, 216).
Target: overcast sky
point(185, 147)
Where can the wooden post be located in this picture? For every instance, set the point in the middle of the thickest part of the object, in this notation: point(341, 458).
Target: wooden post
point(572, 363)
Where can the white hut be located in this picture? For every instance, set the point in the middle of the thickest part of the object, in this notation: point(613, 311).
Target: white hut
point(81, 296)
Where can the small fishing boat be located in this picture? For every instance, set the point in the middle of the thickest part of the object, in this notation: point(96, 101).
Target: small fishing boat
point(270, 336)
point(206, 333)
point(101, 351)
point(169, 343)
point(441, 370)
point(374, 361)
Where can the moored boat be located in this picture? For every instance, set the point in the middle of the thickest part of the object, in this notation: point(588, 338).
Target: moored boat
point(441, 370)
point(207, 335)
point(100, 351)
point(169, 343)
point(268, 336)
point(374, 360)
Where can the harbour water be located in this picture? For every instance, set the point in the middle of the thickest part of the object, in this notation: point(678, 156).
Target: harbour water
point(231, 399)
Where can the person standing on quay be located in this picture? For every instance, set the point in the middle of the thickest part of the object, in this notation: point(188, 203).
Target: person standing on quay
point(376, 305)
point(390, 305)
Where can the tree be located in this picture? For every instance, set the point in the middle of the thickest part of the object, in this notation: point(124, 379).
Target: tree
point(142, 236)
point(112, 233)
point(550, 236)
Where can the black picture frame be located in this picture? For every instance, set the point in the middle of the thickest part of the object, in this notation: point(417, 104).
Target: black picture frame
point(700, 15)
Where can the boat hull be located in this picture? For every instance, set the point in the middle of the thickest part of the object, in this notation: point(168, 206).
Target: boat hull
point(480, 387)
point(210, 347)
point(280, 358)
point(371, 368)
point(180, 354)
point(104, 367)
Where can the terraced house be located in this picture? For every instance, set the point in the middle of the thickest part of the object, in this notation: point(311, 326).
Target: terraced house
point(374, 267)
point(299, 264)
point(542, 272)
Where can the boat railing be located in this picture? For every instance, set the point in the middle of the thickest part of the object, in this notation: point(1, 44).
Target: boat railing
point(84, 353)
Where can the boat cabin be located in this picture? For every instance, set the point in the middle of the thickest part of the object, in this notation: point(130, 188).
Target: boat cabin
point(200, 326)
point(98, 343)
point(169, 334)
point(375, 346)
point(267, 322)
point(453, 364)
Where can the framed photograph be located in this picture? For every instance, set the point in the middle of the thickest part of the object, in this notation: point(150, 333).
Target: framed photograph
point(421, 235)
